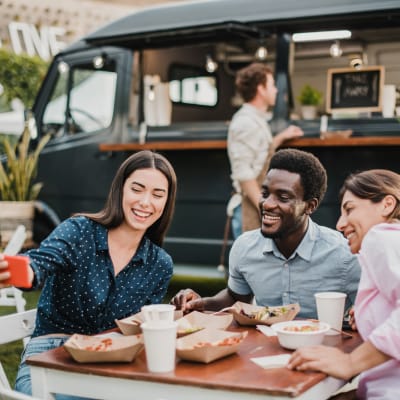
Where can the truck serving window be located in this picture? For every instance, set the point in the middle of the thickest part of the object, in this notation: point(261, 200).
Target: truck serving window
point(191, 85)
point(82, 100)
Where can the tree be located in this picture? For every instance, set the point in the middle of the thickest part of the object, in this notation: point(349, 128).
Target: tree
point(20, 77)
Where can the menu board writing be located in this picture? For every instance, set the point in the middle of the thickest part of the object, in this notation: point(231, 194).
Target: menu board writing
point(354, 89)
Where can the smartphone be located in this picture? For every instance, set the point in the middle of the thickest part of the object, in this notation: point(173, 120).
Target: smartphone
point(19, 269)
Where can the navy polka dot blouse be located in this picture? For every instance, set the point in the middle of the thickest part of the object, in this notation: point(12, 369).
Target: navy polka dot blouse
point(80, 293)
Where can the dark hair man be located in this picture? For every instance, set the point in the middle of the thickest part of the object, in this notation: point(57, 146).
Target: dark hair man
point(291, 257)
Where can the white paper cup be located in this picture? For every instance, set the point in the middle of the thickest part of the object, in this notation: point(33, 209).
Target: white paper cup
point(158, 312)
point(330, 309)
point(160, 345)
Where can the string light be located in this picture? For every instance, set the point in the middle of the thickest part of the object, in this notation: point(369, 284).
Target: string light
point(211, 65)
point(335, 50)
point(261, 53)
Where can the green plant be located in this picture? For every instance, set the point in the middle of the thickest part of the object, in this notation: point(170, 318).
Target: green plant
point(20, 77)
point(19, 171)
point(310, 96)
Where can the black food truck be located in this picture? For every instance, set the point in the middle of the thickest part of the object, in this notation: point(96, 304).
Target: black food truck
point(163, 79)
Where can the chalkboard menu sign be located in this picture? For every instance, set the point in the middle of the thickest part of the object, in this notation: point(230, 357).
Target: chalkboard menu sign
point(351, 89)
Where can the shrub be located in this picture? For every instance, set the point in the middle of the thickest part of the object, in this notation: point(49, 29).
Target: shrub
point(310, 96)
point(20, 76)
point(18, 174)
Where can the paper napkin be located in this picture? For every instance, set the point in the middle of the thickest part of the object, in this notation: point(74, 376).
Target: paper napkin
point(266, 330)
point(279, 361)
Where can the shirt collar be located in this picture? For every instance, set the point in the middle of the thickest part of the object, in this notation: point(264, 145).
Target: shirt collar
point(304, 249)
point(249, 107)
point(101, 241)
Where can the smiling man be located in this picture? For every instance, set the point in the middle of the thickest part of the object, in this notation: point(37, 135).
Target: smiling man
point(291, 257)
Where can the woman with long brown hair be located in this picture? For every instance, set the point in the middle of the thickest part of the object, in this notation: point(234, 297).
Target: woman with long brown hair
point(95, 268)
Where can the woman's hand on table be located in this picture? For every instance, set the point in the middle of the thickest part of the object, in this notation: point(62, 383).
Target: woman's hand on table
point(188, 300)
point(329, 360)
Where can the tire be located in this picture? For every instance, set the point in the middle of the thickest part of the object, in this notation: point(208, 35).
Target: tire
point(45, 220)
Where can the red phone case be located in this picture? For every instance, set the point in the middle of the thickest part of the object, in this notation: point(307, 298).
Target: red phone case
point(19, 268)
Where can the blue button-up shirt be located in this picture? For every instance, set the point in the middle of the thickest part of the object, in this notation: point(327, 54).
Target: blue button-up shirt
point(80, 292)
point(322, 262)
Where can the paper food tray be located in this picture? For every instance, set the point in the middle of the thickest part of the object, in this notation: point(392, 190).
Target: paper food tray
point(98, 349)
point(196, 321)
point(209, 345)
point(131, 325)
point(246, 314)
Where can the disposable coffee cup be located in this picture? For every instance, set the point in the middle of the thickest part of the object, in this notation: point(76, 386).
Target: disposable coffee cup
point(160, 345)
point(330, 309)
point(158, 312)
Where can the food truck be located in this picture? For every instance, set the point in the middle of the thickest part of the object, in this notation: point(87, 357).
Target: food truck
point(163, 79)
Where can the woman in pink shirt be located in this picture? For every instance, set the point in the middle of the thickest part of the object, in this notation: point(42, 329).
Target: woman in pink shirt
point(370, 220)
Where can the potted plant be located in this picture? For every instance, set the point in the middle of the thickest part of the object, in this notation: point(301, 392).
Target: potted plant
point(309, 98)
point(17, 187)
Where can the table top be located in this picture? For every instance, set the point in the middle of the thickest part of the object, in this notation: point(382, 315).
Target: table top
point(234, 373)
point(354, 141)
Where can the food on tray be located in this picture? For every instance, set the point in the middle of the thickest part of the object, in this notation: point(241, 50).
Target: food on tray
point(111, 348)
point(196, 321)
point(185, 326)
point(229, 341)
point(208, 345)
point(266, 312)
point(104, 345)
point(302, 328)
point(252, 314)
point(186, 331)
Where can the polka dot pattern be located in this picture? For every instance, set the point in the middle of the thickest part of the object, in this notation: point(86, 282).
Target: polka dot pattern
point(80, 293)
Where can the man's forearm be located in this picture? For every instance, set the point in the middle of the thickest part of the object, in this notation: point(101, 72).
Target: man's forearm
point(252, 190)
point(220, 300)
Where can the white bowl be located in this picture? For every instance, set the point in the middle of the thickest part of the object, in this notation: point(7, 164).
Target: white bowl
point(291, 336)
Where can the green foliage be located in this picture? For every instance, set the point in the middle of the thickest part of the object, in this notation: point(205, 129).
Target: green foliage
point(21, 76)
point(19, 172)
point(202, 285)
point(310, 96)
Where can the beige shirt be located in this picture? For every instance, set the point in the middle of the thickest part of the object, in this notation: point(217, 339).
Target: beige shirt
point(249, 138)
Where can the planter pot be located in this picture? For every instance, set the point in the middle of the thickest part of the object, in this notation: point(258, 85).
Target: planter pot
point(14, 213)
point(309, 112)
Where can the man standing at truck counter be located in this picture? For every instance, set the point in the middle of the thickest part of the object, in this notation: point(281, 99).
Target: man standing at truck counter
point(250, 144)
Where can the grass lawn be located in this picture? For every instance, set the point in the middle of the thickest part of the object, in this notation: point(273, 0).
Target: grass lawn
point(10, 353)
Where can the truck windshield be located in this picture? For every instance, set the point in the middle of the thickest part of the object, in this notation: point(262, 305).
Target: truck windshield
point(82, 101)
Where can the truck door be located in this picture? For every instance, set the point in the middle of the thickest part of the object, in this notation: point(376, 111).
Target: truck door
point(82, 103)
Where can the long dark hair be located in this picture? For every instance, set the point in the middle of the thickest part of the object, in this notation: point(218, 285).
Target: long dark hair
point(112, 214)
point(374, 185)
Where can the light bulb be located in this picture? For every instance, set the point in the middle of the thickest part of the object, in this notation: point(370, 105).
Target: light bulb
point(335, 50)
point(63, 67)
point(211, 65)
point(98, 62)
point(261, 53)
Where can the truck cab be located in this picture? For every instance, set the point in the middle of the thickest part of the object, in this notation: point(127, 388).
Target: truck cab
point(163, 79)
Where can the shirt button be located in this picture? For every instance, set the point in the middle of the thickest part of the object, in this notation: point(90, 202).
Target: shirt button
point(284, 294)
point(286, 265)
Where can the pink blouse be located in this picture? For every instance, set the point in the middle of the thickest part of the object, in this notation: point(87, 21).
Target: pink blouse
point(377, 309)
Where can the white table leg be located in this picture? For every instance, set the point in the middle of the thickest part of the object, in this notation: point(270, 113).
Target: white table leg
point(39, 384)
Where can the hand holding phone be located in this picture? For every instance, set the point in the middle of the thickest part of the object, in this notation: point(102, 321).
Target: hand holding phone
point(18, 266)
